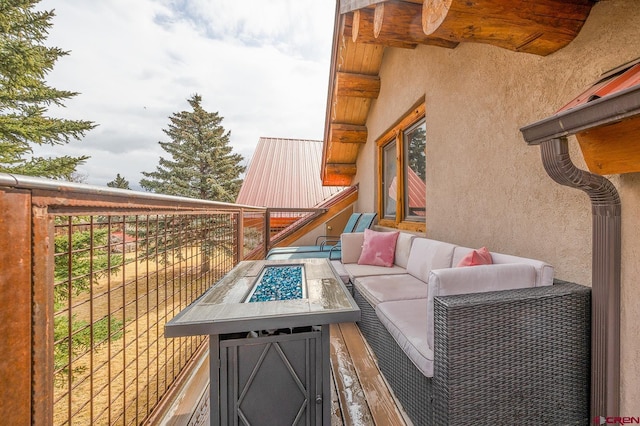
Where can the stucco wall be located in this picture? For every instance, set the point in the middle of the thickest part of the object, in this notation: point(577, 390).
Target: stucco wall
point(485, 186)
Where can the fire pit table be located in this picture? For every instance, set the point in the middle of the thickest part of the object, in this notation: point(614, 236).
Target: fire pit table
point(268, 326)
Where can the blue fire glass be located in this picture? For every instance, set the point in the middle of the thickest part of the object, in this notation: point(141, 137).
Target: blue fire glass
point(278, 283)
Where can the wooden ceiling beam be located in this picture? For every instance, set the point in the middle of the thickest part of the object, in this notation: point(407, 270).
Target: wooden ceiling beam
point(347, 133)
point(337, 180)
point(402, 21)
point(348, 169)
point(538, 27)
point(362, 31)
point(357, 85)
point(347, 26)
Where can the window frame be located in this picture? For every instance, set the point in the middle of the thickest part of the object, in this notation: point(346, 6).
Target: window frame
point(396, 134)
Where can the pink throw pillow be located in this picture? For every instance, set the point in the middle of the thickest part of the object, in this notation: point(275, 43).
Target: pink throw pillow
point(379, 248)
point(477, 257)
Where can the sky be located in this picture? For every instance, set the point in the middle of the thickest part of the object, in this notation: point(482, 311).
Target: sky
point(263, 65)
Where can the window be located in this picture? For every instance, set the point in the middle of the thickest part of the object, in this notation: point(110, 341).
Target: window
point(402, 172)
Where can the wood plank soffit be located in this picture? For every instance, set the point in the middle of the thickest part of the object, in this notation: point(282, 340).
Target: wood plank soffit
point(357, 85)
point(347, 133)
point(347, 6)
point(612, 149)
point(351, 5)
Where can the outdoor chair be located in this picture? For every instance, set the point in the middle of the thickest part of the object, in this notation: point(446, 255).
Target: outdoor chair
point(323, 250)
point(350, 226)
point(322, 240)
point(358, 222)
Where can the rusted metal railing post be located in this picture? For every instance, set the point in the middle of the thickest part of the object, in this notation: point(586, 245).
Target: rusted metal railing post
point(43, 313)
point(239, 237)
point(267, 231)
point(15, 318)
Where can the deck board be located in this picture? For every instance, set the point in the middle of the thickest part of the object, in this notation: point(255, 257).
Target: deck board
point(365, 398)
point(336, 413)
point(354, 407)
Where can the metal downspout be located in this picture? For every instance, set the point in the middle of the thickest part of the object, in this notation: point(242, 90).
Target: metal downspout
point(606, 254)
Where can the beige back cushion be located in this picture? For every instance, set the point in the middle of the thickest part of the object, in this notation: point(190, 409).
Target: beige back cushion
point(475, 279)
point(428, 254)
point(403, 249)
point(544, 271)
point(351, 246)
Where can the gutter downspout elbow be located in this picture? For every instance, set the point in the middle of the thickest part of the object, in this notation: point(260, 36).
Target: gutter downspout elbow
point(606, 265)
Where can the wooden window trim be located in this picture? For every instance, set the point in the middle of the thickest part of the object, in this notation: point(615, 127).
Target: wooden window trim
point(396, 132)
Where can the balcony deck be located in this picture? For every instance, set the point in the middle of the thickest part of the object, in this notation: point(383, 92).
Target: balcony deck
point(89, 346)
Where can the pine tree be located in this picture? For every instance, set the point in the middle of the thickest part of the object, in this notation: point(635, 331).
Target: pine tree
point(202, 164)
point(24, 95)
point(119, 182)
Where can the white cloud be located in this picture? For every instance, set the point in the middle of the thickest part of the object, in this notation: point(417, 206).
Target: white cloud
point(263, 65)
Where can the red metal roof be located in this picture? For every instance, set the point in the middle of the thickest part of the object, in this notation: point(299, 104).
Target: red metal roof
point(417, 190)
point(285, 173)
point(619, 79)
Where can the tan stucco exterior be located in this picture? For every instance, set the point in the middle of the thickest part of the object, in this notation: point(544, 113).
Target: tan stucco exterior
point(485, 185)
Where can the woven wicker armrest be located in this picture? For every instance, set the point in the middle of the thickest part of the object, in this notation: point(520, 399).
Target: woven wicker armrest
point(513, 357)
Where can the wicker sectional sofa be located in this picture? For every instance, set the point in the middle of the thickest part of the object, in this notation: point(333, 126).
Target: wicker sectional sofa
point(492, 344)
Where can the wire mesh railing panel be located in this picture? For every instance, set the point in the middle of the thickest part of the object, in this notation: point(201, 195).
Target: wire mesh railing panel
point(253, 224)
point(117, 281)
point(283, 222)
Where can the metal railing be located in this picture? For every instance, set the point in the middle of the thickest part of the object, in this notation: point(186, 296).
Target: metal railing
point(262, 232)
point(100, 272)
point(118, 279)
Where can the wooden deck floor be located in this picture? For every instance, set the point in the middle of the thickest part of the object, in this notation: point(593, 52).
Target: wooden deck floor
point(360, 394)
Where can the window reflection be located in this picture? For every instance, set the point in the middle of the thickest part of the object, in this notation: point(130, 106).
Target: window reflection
point(390, 182)
point(415, 176)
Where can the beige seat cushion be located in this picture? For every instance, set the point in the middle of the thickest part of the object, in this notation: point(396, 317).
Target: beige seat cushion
point(355, 271)
point(406, 321)
point(384, 288)
point(340, 270)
